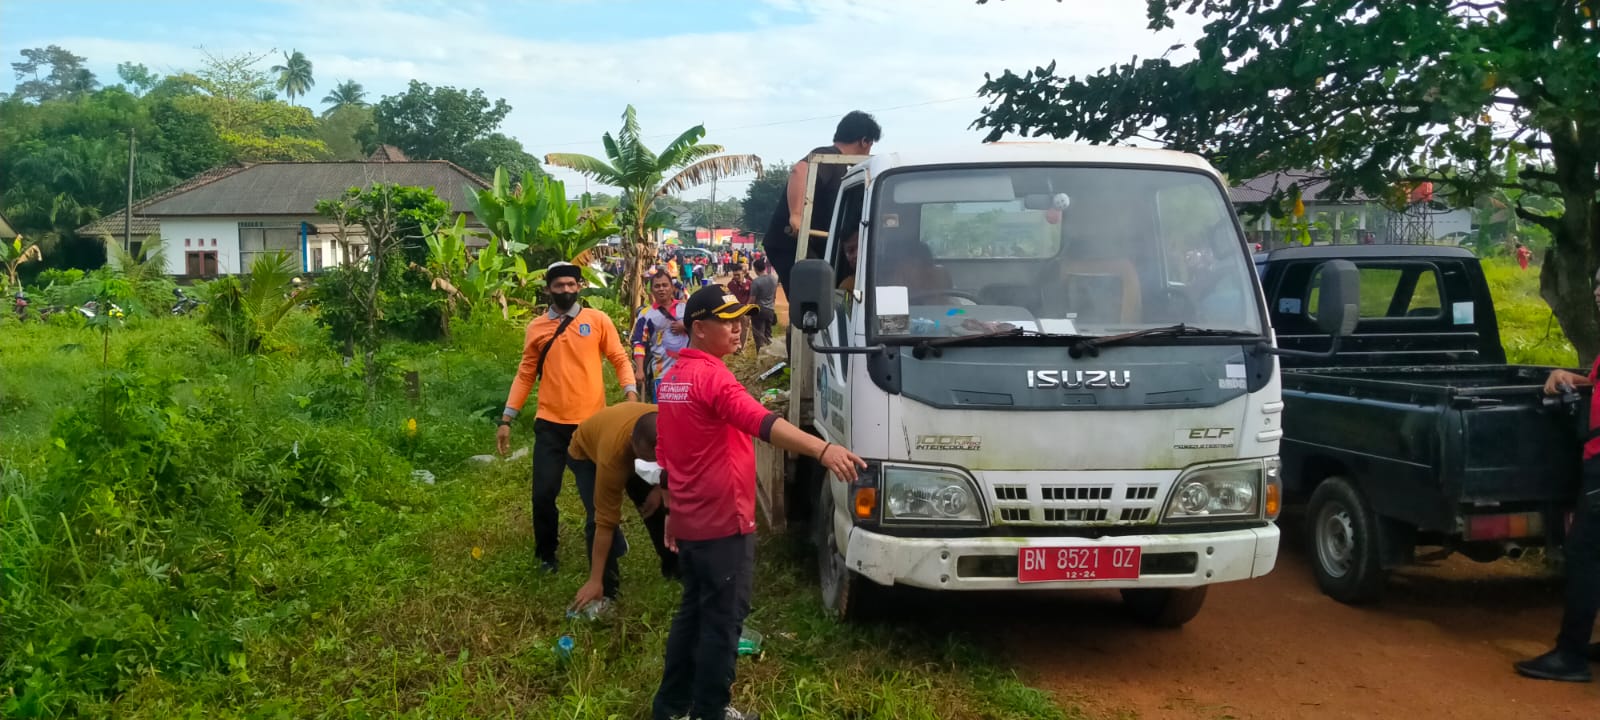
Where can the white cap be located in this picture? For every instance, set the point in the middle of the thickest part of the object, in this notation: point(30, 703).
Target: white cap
point(651, 472)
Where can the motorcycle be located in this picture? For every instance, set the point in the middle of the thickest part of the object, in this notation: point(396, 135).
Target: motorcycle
point(185, 304)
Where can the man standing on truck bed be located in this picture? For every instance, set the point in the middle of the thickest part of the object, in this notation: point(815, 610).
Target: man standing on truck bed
point(1569, 661)
point(570, 341)
point(855, 135)
point(706, 419)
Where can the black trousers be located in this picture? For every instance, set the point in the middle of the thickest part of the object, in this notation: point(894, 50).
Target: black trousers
point(1583, 568)
point(583, 475)
point(550, 441)
point(703, 645)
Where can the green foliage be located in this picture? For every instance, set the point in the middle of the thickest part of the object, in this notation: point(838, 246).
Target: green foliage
point(348, 94)
point(294, 75)
point(242, 313)
point(14, 254)
point(643, 176)
point(67, 77)
point(1375, 97)
point(341, 128)
point(448, 123)
point(1528, 330)
point(761, 198)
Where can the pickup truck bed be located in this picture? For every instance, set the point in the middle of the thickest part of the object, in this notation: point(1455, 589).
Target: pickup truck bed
point(1433, 443)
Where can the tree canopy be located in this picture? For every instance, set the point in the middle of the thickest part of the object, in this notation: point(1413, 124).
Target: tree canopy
point(761, 198)
point(294, 75)
point(1373, 95)
point(447, 123)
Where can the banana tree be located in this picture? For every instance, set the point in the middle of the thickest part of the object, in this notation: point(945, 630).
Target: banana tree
point(512, 214)
point(14, 254)
point(645, 176)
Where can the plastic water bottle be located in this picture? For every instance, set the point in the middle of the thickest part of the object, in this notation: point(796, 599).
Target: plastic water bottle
point(564, 647)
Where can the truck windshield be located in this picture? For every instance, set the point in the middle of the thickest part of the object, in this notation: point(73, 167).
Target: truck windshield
point(1077, 250)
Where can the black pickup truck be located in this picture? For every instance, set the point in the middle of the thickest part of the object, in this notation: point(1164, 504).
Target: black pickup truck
point(1417, 432)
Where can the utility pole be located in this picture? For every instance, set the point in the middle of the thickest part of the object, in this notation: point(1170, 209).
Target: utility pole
point(127, 213)
point(711, 216)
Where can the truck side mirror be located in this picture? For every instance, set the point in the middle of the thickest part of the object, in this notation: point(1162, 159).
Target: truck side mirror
point(1338, 297)
point(811, 296)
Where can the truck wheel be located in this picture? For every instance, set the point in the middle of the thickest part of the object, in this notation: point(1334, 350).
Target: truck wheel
point(1346, 543)
point(1164, 607)
point(846, 595)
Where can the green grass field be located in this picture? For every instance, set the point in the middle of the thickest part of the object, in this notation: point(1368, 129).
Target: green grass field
point(187, 534)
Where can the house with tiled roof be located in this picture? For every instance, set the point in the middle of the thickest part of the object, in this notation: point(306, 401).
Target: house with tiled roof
point(6, 231)
point(220, 221)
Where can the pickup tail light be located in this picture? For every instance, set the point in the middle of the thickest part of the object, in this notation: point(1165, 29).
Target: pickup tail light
point(1505, 526)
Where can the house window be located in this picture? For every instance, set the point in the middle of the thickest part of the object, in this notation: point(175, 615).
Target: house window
point(316, 259)
point(202, 263)
point(258, 238)
point(188, 242)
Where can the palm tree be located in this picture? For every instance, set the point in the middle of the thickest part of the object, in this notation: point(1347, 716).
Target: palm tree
point(643, 177)
point(294, 75)
point(348, 93)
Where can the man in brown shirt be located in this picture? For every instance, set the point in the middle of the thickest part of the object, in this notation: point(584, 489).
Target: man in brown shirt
point(603, 452)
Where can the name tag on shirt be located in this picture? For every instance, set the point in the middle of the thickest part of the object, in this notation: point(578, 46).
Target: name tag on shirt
point(672, 393)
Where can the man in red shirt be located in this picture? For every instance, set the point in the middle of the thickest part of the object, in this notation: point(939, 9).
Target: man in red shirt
point(704, 428)
point(1569, 661)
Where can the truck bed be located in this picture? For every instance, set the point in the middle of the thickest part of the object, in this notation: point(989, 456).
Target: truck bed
point(1435, 442)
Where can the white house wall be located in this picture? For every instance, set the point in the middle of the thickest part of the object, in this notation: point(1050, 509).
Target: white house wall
point(184, 235)
point(200, 232)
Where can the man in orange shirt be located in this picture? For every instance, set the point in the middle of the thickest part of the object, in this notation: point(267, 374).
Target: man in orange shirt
point(568, 342)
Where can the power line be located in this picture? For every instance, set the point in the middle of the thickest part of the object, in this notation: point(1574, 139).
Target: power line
point(774, 124)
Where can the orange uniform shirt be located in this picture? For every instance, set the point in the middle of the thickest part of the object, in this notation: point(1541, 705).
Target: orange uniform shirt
point(574, 385)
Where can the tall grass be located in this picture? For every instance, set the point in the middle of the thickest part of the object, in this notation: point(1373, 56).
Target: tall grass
point(1528, 330)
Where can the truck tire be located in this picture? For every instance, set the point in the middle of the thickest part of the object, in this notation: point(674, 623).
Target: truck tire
point(1346, 541)
point(1164, 607)
point(846, 594)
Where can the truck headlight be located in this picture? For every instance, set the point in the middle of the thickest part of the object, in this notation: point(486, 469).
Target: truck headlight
point(1220, 491)
point(929, 494)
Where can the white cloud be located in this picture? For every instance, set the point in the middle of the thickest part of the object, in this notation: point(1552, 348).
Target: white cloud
point(846, 54)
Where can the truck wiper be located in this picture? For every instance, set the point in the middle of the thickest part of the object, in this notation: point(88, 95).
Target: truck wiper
point(1092, 345)
point(922, 348)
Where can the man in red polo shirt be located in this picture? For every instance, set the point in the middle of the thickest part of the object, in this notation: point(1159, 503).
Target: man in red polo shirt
point(704, 428)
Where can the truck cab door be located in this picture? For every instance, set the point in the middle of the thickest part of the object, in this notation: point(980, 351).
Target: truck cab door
point(847, 244)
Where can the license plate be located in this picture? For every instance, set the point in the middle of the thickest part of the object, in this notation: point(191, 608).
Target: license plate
point(1047, 564)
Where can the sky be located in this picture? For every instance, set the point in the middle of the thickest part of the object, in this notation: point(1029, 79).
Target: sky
point(769, 77)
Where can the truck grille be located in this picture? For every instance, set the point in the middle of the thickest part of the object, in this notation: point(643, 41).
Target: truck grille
point(1090, 504)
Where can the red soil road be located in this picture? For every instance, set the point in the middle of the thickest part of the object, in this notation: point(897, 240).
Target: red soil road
point(1440, 645)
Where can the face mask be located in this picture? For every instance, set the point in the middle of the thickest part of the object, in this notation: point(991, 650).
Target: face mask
point(563, 301)
point(649, 471)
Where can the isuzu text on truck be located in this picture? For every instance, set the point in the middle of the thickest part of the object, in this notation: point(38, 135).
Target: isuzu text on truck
point(1058, 362)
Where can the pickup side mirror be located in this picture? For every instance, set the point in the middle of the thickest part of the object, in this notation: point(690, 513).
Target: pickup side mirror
point(811, 296)
point(1338, 297)
point(1338, 288)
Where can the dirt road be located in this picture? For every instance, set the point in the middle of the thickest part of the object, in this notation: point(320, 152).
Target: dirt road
point(1440, 645)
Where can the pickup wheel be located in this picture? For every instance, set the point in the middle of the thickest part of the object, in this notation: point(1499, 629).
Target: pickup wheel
point(846, 595)
point(1164, 607)
point(1346, 543)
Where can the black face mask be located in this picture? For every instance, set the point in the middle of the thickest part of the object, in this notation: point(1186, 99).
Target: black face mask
point(563, 300)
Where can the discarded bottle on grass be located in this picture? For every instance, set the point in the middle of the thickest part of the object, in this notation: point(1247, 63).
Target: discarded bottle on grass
point(564, 647)
point(591, 611)
point(749, 642)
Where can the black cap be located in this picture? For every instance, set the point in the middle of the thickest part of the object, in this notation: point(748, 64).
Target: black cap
point(561, 270)
point(714, 301)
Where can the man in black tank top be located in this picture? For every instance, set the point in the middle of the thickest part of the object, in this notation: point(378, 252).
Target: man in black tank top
point(855, 135)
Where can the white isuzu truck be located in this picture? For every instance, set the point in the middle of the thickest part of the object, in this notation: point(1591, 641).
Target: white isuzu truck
point(1057, 360)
